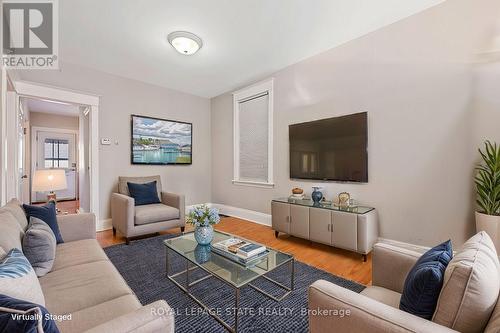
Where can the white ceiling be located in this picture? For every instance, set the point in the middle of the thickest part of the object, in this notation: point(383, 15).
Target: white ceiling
point(57, 108)
point(243, 40)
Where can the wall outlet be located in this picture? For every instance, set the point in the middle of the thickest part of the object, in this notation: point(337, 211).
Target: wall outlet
point(105, 141)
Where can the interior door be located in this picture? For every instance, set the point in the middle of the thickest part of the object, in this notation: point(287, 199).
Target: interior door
point(56, 150)
point(22, 156)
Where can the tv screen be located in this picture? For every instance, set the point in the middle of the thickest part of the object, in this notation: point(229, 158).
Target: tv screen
point(330, 149)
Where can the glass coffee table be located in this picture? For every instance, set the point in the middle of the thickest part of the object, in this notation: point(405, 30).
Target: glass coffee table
point(231, 273)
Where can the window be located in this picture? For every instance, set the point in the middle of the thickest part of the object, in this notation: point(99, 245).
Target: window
point(253, 135)
point(56, 153)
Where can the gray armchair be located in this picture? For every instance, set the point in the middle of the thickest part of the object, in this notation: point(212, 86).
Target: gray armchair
point(133, 221)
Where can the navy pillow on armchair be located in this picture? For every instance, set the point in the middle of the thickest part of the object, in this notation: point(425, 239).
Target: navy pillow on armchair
point(144, 194)
point(46, 213)
point(20, 316)
point(424, 281)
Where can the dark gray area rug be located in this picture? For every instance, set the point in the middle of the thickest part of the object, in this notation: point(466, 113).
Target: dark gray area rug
point(142, 264)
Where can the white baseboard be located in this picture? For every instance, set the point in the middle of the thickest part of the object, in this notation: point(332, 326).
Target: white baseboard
point(244, 214)
point(416, 248)
point(103, 225)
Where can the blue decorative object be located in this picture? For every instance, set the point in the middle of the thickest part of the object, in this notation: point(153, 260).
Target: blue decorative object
point(47, 214)
point(425, 280)
point(316, 195)
point(22, 316)
point(203, 218)
point(202, 253)
point(204, 235)
point(144, 194)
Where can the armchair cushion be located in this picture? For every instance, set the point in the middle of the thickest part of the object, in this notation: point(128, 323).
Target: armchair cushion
point(470, 289)
point(383, 295)
point(144, 194)
point(423, 283)
point(155, 213)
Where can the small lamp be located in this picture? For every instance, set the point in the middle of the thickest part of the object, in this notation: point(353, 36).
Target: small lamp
point(49, 180)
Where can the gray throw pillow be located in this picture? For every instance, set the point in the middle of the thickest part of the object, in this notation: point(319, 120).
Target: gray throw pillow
point(39, 246)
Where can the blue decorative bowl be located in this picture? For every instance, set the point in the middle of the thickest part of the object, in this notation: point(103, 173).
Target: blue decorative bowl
point(204, 235)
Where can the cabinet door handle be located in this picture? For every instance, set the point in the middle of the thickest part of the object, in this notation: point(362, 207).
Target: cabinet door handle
point(288, 219)
point(328, 227)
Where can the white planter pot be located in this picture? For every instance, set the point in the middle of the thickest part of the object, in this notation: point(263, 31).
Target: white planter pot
point(490, 224)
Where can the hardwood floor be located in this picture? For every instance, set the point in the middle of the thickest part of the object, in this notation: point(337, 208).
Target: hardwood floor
point(336, 261)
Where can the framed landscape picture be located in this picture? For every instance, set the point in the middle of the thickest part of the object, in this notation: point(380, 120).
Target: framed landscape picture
point(159, 141)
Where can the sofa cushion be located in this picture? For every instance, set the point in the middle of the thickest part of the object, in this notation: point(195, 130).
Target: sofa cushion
point(11, 232)
point(424, 281)
point(18, 279)
point(155, 213)
point(494, 322)
point(78, 252)
point(46, 213)
point(471, 285)
point(87, 318)
point(30, 318)
point(78, 287)
point(144, 194)
point(123, 187)
point(14, 206)
point(39, 246)
point(383, 295)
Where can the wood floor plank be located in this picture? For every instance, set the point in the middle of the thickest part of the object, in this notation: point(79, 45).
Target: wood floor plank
point(335, 261)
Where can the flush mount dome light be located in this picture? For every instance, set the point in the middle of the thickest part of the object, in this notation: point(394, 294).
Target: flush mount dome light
point(185, 42)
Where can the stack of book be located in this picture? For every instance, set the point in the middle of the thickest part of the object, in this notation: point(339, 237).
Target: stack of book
point(241, 251)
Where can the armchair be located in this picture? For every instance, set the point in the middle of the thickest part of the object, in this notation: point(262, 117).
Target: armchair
point(134, 221)
point(376, 308)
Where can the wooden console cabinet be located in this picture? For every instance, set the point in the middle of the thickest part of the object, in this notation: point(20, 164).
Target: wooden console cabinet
point(354, 229)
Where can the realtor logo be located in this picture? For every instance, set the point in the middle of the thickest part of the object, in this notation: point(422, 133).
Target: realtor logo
point(30, 34)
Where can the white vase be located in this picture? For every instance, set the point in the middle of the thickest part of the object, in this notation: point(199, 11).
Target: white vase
point(490, 224)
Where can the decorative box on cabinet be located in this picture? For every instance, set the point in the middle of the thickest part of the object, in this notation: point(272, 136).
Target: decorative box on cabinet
point(353, 228)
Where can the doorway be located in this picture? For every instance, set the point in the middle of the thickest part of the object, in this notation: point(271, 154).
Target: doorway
point(19, 167)
point(54, 129)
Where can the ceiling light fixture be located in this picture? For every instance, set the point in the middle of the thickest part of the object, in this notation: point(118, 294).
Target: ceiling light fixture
point(185, 42)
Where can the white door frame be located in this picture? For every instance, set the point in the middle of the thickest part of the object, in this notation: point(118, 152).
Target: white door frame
point(37, 90)
point(34, 147)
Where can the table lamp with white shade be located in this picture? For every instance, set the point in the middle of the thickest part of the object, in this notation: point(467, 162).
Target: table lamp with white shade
point(49, 180)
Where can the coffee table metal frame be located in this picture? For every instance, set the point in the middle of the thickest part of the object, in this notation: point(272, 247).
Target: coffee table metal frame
point(236, 289)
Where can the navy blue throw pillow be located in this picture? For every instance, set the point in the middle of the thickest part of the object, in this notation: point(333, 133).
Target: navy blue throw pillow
point(144, 194)
point(425, 280)
point(46, 213)
point(21, 316)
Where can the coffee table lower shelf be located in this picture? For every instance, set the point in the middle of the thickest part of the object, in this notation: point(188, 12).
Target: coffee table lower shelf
point(186, 289)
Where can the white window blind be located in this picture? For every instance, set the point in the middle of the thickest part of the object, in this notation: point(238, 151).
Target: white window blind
point(253, 117)
point(254, 123)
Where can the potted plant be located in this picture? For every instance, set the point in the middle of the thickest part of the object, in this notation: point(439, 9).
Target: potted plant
point(488, 191)
point(203, 218)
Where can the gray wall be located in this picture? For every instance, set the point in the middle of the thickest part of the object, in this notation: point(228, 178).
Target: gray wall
point(414, 80)
point(122, 97)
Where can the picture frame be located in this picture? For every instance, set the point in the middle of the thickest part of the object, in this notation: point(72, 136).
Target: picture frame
point(157, 141)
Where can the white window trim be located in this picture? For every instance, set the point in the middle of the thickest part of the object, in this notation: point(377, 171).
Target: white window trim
point(238, 96)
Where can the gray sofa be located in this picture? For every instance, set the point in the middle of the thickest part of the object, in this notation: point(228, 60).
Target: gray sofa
point(83, 282)
point(133, 221)
point(468, 301)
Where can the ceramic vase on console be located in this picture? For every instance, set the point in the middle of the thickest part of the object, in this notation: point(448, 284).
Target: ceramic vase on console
point(316, 195)
point(204, 234)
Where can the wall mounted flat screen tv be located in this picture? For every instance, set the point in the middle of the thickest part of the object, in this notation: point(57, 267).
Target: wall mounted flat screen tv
point(160, 141)
point(333, 149)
